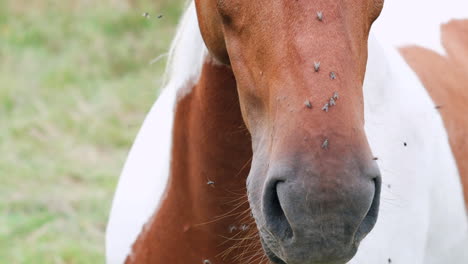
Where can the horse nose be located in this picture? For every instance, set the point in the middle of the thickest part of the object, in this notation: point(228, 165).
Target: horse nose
point(325, 213)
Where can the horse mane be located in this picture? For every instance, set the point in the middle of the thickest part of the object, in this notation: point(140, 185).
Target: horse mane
point(186, 53)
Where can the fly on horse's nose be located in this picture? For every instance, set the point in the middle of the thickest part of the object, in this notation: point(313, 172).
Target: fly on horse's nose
point(325, 144)
point(336, 96)
point(325, 107)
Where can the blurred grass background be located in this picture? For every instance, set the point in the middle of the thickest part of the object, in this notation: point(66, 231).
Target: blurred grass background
point(75, 86)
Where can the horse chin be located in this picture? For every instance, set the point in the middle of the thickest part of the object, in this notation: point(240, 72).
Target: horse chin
point(314, 251)
point(297, 257)
point(292, 233)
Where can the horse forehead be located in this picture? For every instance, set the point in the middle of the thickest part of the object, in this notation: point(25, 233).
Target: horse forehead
point(280, 10)
point(285, 19)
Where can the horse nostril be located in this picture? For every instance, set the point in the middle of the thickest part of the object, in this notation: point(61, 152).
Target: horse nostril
point(310, 216)
point(372, 214)
point(275, 216)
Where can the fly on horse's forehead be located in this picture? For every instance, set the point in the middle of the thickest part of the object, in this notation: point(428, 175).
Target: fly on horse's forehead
point(317, 66)
point(320, 15)
point(308, 104)
point(332, 75)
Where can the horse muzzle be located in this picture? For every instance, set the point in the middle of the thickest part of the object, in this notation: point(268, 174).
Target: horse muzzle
point(316, 216)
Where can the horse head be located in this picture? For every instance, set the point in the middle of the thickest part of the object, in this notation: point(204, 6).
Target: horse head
point(314, 186)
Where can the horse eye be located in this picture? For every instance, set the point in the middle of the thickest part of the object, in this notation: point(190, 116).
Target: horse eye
point(225, 18)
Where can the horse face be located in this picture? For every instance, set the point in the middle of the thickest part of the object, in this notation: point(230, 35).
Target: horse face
point(299, 65)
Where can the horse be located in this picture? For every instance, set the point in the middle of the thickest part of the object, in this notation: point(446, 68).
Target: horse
point(286, 133)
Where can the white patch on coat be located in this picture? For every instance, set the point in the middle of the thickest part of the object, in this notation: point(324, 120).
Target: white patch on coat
point(417, 22)
point(422, 217)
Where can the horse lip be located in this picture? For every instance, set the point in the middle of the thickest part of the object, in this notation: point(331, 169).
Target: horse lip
point(270, 254)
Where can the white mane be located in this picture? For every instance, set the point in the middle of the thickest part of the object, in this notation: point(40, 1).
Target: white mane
point(146, 172)
point(187, 51)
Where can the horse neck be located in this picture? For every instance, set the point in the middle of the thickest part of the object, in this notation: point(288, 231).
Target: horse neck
point(206, 201)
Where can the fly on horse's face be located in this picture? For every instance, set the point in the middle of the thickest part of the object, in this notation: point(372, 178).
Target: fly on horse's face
point(314, 185)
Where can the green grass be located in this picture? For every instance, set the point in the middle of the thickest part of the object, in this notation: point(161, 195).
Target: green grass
point(75, 85)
